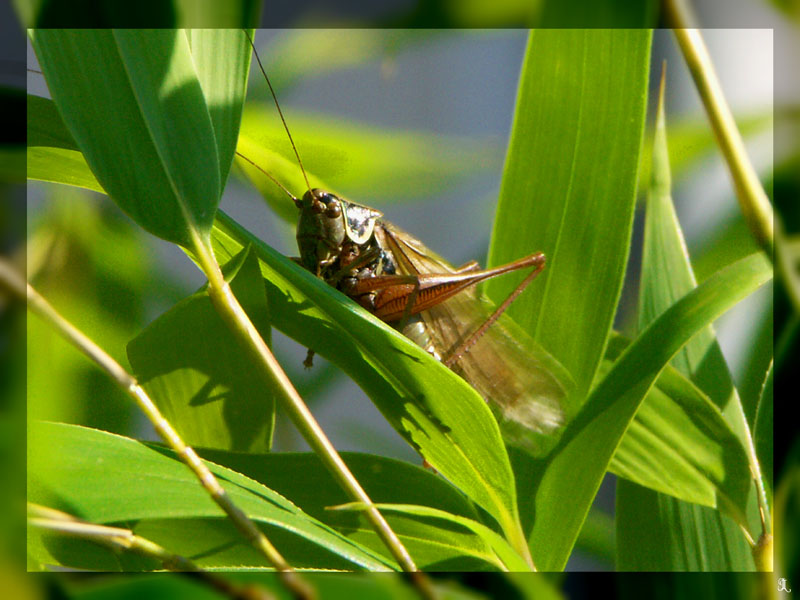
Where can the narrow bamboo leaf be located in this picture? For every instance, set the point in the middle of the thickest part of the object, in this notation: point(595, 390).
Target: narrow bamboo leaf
point(494, 550)
point(105, 478)
point(197, 373)
point(763, 431)
point(434, 409)
point(573, 474)
point(146, 133)
point(684, 536)
point(569, 187)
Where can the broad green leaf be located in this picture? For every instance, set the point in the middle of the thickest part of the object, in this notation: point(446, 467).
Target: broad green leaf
point(679, 444)
point(104, 478)
point(573, 473)
point(494, 549)
point(569, 187)
point(434, 409)
point(146, 133)
point(714, 541)
point(194, 369)
point(52, 153)
point(222, 60)
point(433, 546)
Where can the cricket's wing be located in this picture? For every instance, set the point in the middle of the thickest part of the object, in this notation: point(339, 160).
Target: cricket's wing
point(525, 386)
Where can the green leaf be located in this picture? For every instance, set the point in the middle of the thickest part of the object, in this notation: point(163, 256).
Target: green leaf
point(222, 60)
point(433, 546)
point(434, 409)
point(570, 176)
point(679, 444)
point(146, 134)
point(572, 475)
point(52, 152)
point(763, 431)
point(194, 369)
point(714, 542)
point(493, 549)
point(105, 478)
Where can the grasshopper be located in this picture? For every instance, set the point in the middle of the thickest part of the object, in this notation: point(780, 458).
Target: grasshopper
point(402, 282)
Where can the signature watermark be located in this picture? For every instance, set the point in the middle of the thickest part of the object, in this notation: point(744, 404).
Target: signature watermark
point(783, 585)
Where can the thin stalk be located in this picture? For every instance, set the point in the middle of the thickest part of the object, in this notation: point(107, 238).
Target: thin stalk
point(55, 521)
point(234, 315)
point(10, 279)
point(753, 201)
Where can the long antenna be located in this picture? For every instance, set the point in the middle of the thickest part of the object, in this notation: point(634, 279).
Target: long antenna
point(280, 112)
point(275, 181)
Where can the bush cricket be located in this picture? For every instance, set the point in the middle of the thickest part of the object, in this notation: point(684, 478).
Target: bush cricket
point(399, 280)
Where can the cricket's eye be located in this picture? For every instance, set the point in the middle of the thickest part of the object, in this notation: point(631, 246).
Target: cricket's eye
point(334, 209)
point(319, 204)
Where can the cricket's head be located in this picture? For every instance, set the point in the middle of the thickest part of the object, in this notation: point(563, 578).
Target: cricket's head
point(320, 229)
point(326, 222)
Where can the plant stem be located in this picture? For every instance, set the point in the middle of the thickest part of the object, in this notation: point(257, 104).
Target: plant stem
point(233, 314)
point(55, 521)
point(755, 205)
point(37, 304)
